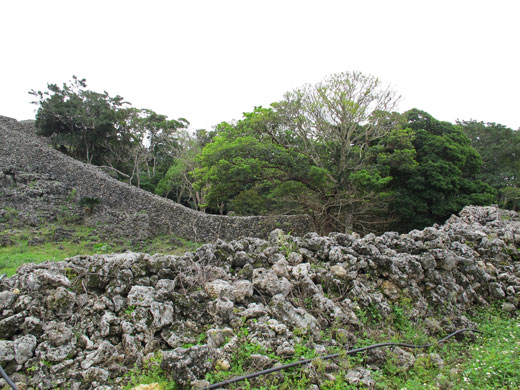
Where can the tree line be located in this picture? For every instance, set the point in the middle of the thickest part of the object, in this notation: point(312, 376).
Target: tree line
point(336, 150)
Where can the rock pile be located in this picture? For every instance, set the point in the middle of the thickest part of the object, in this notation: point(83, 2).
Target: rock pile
point(85, 321)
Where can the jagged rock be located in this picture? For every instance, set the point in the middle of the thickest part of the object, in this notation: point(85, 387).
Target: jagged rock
point(186, 365)
point(6, 350)
point(301, 270)
point(509, 307)
point(199, 384)
point(221, 310)
point(162, 313)
point(140, 296)
point(241, 290)
point(218, 289)
point(296, 317)
point(24, 348)
point(7, 298)
point(403, 360)
point(241, 258)
point(360, 376)
point(218, 337)
point(151, 386)
point(222, 365)
point(268, 282)
point(285, 350)
point(339, 271)
point(390, 290)
point(253, 310)
point(259, 362)
point(102, 354)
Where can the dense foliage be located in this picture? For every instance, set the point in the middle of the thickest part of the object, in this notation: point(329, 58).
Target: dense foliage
point(499, 147)
point(94, 127)
point(443, 181)
point(335, 150)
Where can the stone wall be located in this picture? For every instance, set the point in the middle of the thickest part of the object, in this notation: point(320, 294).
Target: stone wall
point(84, 323)
point(131, 211)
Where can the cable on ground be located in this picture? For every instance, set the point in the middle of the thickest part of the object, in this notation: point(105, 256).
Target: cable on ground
point(7, 379)
point(349, 352)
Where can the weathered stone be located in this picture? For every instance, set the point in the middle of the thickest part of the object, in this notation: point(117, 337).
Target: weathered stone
point(390, 290)
point(6, 351)
point(339, 271)
point(7, 299)
point(162, 314)
point(218, 337)
point(123, 308)
point(268, 282)
point(301, 270)
point(221, 310)
point(51, 353)
point(360, 376)
point(259, 362)
point(296, 317)
point(241, 290)
point(253, 310)
point(508, 307)
point(62, 302)
point(24, 348)
point(140, 296)
point(102, 354)
point(180, 362)
point(241, 258)
point(218, 289)
point(151, 386)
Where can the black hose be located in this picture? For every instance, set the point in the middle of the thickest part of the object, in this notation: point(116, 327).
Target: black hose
point(349, 352)
point(7, 379)
point(2, 276)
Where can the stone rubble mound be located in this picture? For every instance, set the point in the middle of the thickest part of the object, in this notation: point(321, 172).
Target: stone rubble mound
point(86, 321)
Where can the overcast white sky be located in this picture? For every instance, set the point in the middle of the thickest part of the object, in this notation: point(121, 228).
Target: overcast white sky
point(209, 60)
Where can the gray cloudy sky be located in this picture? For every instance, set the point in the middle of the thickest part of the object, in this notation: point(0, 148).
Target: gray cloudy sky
point(209, 60)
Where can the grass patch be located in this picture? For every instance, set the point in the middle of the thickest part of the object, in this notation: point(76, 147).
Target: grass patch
point(150, 373)
point(167, 244)
point(80, 240)
point(489, 361)
point(12, 257)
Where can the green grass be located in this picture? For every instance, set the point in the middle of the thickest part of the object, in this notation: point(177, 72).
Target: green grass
point(150, 373)
point(11, 257)
point(82, 241)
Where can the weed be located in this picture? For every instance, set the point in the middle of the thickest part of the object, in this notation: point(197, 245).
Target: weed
point(89, 204)
point(8, 215)
point(130, 309)
point(150, 372)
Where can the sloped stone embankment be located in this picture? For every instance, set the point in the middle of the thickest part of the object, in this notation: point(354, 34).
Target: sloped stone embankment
point(40, 182)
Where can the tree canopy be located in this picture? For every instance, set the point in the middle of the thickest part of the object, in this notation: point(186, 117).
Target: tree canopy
point(335, 150)
point(499, 147)
point(312, 152)
point(104, 130)
point(445, 178)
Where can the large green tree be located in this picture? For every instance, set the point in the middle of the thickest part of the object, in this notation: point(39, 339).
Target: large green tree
point(80, 122)
point(312, 152)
